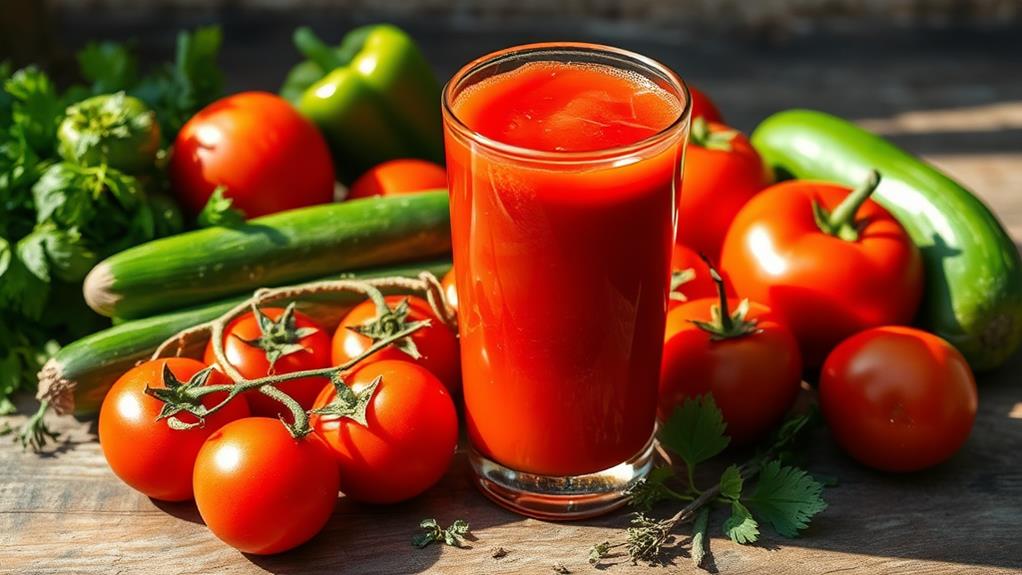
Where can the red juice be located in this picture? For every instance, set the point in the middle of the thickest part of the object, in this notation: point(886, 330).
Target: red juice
point(563, 180)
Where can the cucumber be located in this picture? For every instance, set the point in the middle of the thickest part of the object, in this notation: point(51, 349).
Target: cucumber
point(205, 265)
point(973, 294)
point(84, 370)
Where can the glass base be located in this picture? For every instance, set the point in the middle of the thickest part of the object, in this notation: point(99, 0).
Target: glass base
point(561, 498)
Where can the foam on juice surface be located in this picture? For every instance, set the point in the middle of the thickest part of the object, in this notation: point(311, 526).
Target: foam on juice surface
point(556, 106)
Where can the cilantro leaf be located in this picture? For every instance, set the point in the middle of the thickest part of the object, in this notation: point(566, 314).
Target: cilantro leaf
point(36, 108)
point(786, 497)
point(741, 527)
point(218, 211)
point(695, 431)
point(731, 482)
point(109, 66)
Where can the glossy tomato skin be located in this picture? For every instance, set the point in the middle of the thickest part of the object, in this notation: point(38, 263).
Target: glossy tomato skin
point(262, 491)
point(147, 454)
point(702, 285)
point(450, 289)
point(754, 379)
point(702, 106)
point(410, 436)
point(394, 177)
point(823, 287)
point(715, 186)
point(251, 361)
point(898, 398)
point(255, 144)
point(437, 343)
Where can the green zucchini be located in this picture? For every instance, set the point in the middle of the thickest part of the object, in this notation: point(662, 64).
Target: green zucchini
point(84, 370)
point(973, 294)
point(205, 265)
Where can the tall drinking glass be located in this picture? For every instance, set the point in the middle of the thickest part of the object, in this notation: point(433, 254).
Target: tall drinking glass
point(564, 164)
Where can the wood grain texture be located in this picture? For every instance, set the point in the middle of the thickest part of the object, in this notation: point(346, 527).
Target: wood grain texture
point(67, 513)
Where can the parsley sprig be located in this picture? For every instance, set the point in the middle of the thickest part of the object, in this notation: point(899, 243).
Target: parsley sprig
point(783, 496)
point(433, 533)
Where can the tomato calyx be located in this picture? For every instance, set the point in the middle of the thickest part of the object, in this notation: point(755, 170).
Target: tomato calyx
point(280, 337)
point(678, 279)
point(841, 222)
point(724, 323)
point(705, 137)
point(390, 321)
point(348, 403)
point(178, 396)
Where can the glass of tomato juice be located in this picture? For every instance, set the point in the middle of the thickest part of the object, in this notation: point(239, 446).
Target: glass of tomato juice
point(564, 166)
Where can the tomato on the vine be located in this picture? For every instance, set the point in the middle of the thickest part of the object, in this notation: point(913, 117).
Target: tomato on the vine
point(262, 491)
point(259, 148)
point(404, 176)
point(406, 439)
point(146, 453)
point(280, 343)
point(898, 398)
point(436, 344)
point(740, 354)
point(828, 261)
point(690, 277)
point(722, 172)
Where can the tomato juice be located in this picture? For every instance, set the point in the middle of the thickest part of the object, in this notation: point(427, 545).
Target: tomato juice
point(563, 178)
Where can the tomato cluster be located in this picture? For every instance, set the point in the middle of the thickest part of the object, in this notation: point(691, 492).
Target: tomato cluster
point(825, 275)
point(258, 485)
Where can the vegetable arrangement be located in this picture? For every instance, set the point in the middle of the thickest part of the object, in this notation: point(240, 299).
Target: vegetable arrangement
point(262, 402)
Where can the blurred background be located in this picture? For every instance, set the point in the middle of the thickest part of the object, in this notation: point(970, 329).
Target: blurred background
point(942, 77)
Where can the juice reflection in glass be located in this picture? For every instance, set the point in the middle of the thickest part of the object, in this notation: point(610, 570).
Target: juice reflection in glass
point(564, 165)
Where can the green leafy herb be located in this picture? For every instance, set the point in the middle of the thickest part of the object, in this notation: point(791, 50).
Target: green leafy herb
point(219, 211)
point(786, 497)
point(695, 431)
point(731, 482)
point(110, 67)
point(433, 533)
point(740, 527)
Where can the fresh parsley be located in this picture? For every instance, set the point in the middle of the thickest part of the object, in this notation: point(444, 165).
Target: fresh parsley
point(433, 533)
point(782, 496)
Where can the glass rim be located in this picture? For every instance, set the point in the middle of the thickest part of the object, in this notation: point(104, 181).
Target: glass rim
point(556, 156)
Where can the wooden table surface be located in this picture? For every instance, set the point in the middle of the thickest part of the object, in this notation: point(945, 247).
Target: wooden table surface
point(959, 106)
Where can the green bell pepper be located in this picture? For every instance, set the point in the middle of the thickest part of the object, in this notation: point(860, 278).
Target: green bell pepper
point(374, 97)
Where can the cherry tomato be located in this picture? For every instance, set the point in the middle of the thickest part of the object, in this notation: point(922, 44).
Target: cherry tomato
point(399, 177)
point(262, 491)
point(450, 289)
point(145, 453)
point(436, 343)
point(266, 155)
point(701, 285)
point(722, 172)
point(898, 398)
point(702, 106)
point(408, 441)
point(822, 286)
point(243, 351)
point(754, 377)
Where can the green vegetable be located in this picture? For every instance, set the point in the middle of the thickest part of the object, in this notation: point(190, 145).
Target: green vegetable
point(116, 130)
point(211, 263)
point(77, 378)
point(374, 97)
point(973, 294)
point(71, 199)
point(453, 536)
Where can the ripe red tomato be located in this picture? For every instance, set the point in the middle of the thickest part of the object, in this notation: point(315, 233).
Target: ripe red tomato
point(255, 144)
point(145, 453)
point(450, 289)
point(702, 106)
point(898, 398)
point(701, 285)
point(823, 287)
point(251, 360)
point(408, 441)
point(399, 177)
point(262, 491)
point(437, 344)
point(722, 172)
point(754, 378)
